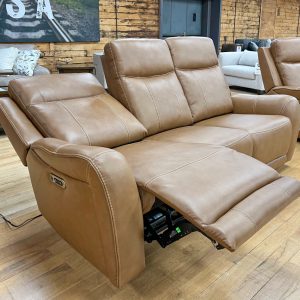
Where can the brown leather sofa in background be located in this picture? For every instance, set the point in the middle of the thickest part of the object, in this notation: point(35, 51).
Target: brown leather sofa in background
point(280, 67)
point(175, 135)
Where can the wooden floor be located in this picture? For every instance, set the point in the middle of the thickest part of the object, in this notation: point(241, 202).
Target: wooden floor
point(36, 264)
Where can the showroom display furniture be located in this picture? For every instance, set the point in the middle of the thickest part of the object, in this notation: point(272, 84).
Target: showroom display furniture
point(175, 139)
point(7, 75)
point(243, 44)
point(241, 72)
point(280, 66)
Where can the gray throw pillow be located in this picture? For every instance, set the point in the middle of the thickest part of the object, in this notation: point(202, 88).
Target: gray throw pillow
point(252, 46)
point(26, 62)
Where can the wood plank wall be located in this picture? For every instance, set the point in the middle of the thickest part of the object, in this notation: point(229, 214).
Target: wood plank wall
point(259, 19)
point(140, 18)
point(136, 18)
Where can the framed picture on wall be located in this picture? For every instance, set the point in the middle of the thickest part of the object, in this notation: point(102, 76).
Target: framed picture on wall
point(37, 21)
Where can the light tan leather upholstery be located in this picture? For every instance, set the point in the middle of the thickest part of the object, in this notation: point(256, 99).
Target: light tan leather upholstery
point(280, 67)
point(270, 75)
point(287, 90)
point(200, 76)
point(99, 210)
point(92, 195)
point(146, 84)
point(19, 129)
point(237, 139)
point(89, 116)
point(224, 201)
point(286, 55)
point(276, 105)
point(271, 135)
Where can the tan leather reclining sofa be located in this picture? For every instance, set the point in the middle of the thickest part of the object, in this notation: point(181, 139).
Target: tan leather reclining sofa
point(175, 134)
point(280, 67)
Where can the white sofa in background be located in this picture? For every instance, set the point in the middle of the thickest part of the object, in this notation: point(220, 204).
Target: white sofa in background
point(241, 69)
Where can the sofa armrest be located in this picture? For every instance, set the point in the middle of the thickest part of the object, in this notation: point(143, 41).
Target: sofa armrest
point(18, 128)
point(89, 195)
point(271, 105)
point(287, 90)
point(40, 70)
point(229, 58)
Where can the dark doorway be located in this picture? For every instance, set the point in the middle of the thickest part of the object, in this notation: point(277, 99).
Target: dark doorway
point(181, 17)
point(190, 18)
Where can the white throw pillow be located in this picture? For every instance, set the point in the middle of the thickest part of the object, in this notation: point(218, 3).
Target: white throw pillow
point(248, 58)
point(26, 62)
point(8, 57)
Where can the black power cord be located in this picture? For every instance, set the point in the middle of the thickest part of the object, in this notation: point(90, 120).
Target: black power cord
point(17, 226)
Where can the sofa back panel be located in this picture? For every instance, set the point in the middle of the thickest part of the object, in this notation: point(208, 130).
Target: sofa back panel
point(287, 58)
point(29, 91)
point(203, 82)
point(82, 118)
point(140, 74)
point(268, 68)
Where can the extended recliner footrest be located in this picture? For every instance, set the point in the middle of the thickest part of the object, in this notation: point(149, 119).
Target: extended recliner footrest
point(226, 195)
point(244, 219)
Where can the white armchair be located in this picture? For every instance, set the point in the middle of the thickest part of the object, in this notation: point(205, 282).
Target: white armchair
point(241, 69)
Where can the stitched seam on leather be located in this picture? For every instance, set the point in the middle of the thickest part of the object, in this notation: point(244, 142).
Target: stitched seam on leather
point(284, 108)
point(255, 104)
point(204, 97)
point(72, 155)
point(150, 76)
point(14, 127)
point(276, 159)
point(239, 140)
point(119, 77)
point(87, 177)
point(112, 219)
point(107, 196)
point(68, 99)
point(268, 130)
point(181, 167)
point(76, 120)
point(197, 69)
point(25, 108)
point(271, 130)
point(154, 103)
point(121, 121)
point(180, 104)
point(245, 215)
point(17, 95)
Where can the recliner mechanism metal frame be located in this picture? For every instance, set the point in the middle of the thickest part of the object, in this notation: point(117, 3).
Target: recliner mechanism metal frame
point(166, 226)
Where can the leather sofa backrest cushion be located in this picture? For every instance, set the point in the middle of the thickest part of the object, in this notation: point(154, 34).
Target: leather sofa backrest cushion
point(203, 82)
point(140, 74)
point(287, 58)
point(75, 108)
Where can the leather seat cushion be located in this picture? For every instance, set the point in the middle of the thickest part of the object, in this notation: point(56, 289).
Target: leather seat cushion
point(226, 194)
point(239, 71)
point(237, 139)
point(271, 134)
point(204, 179)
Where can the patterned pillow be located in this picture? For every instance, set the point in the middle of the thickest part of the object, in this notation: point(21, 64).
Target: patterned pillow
point(26, 62)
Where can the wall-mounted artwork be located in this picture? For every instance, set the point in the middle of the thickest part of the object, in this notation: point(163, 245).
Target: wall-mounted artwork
point(36, 21)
